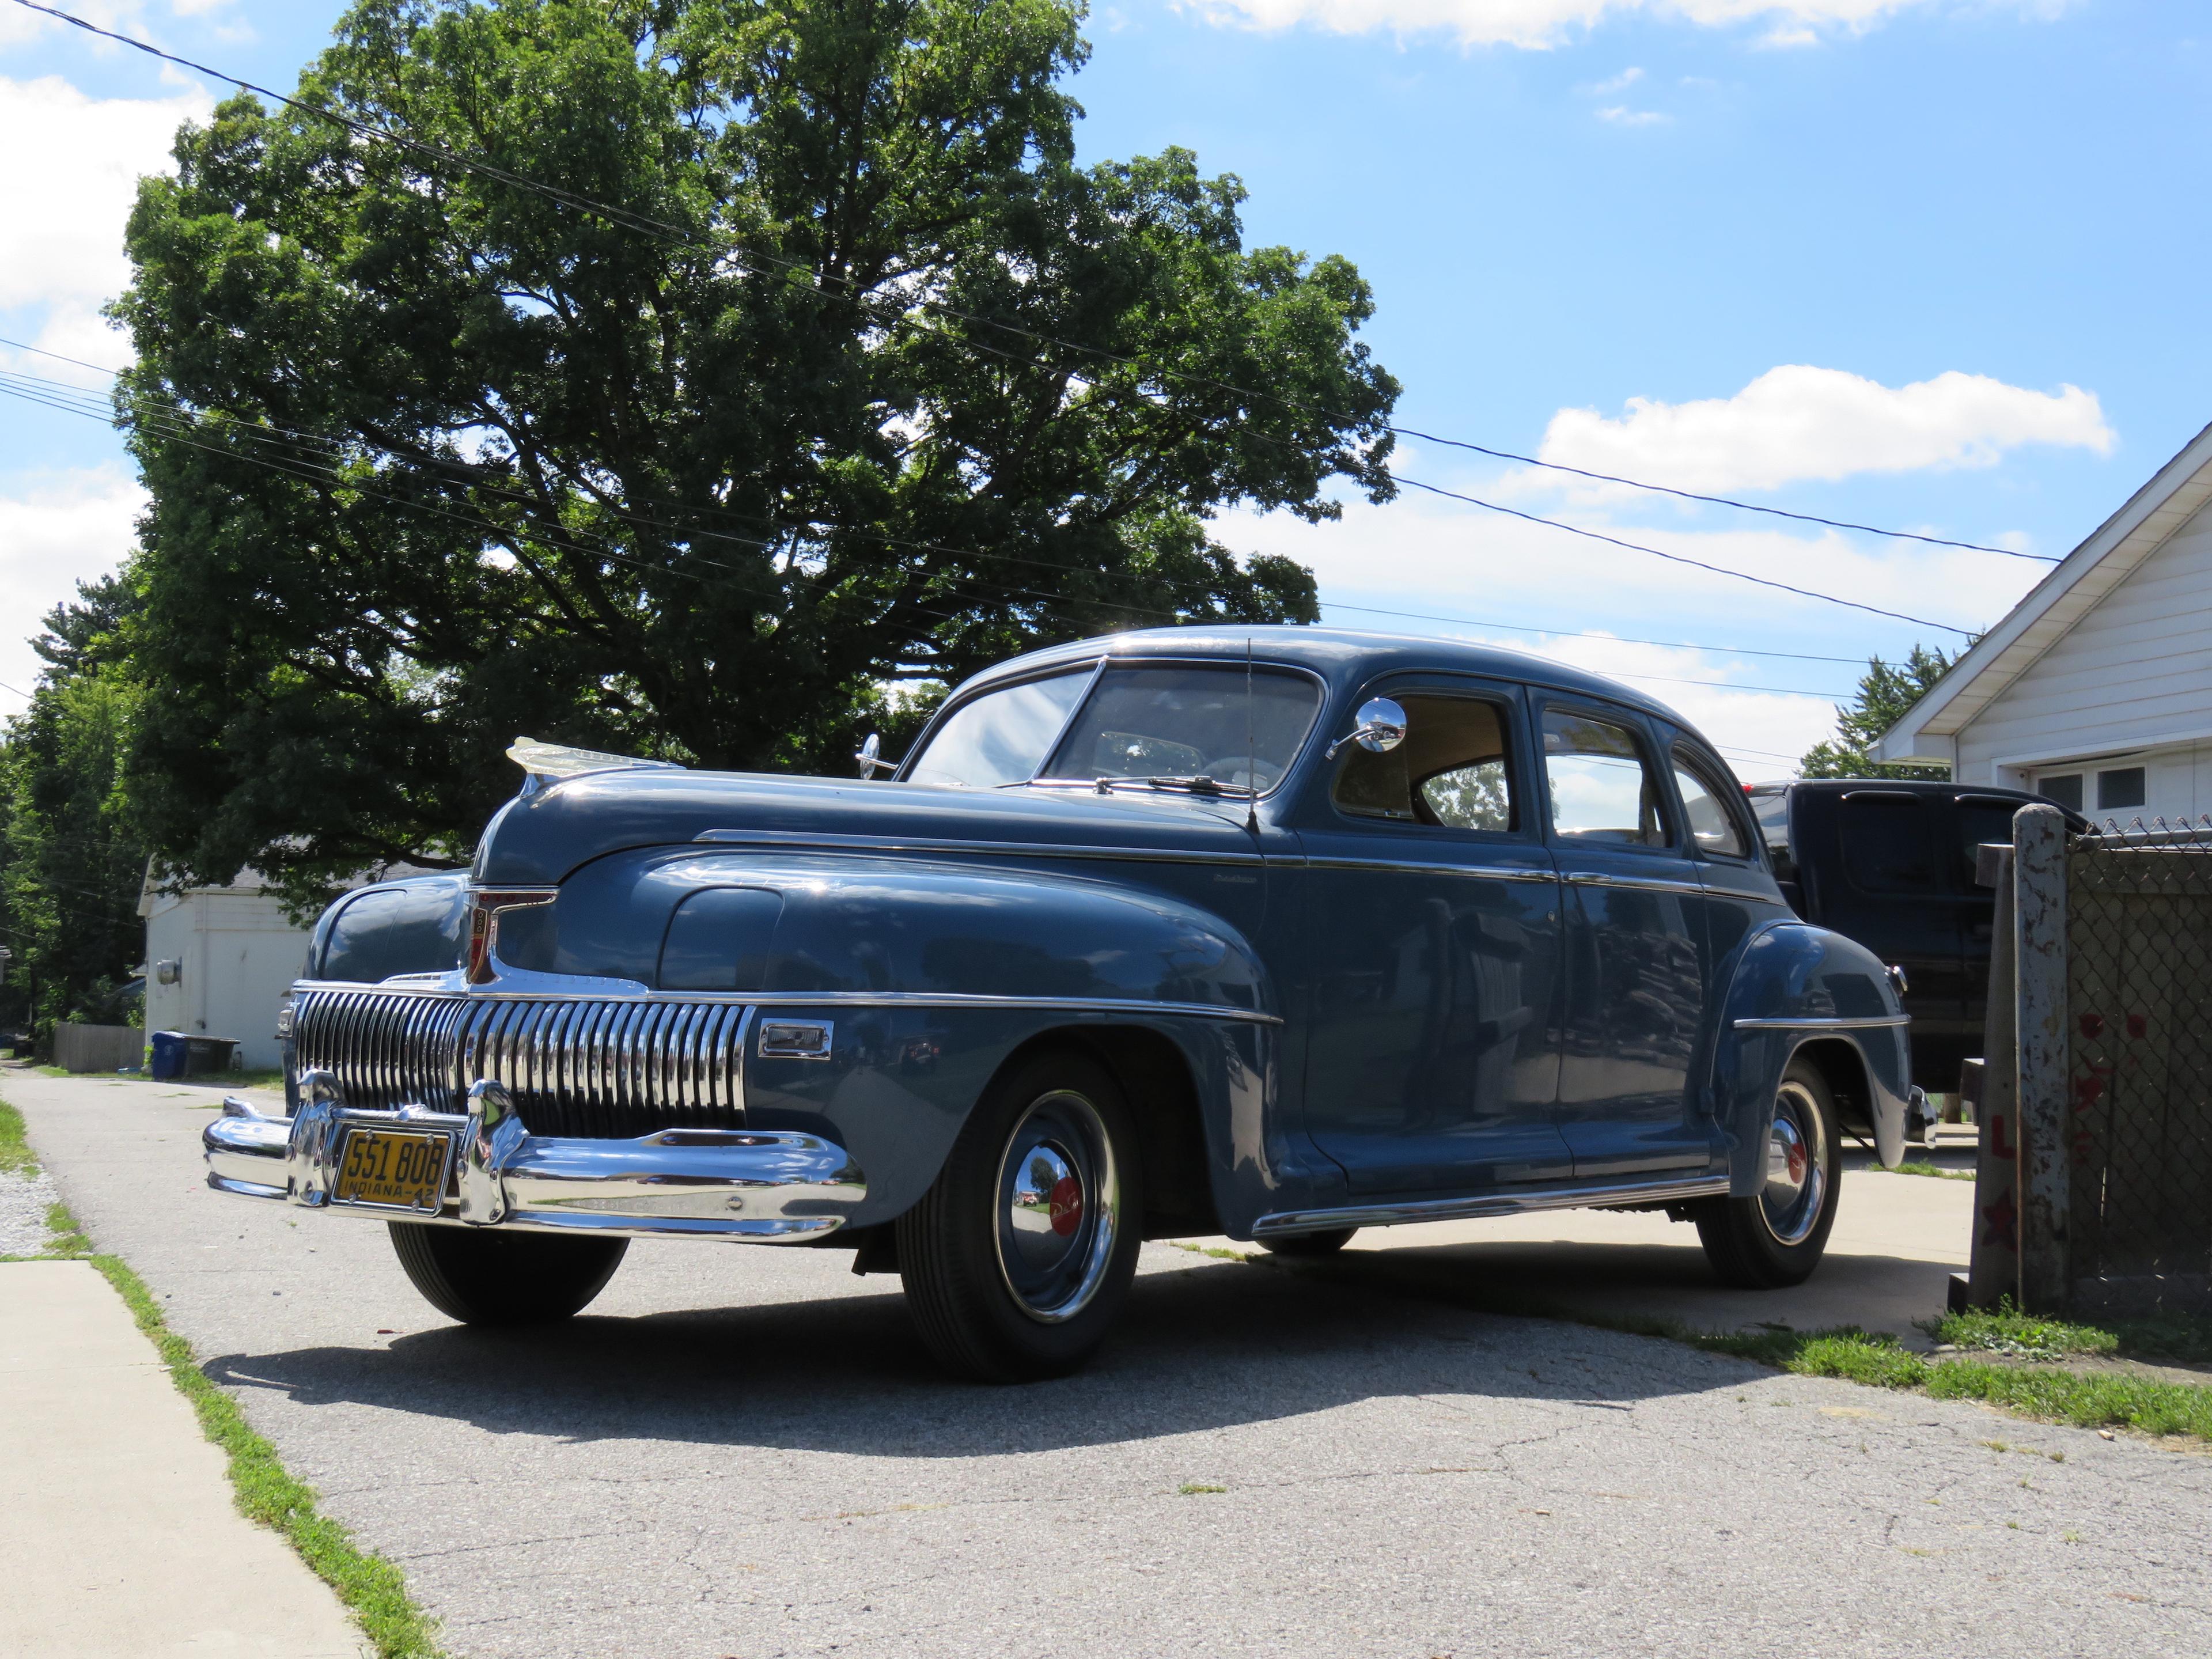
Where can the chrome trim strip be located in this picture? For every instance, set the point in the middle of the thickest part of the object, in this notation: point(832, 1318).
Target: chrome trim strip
point(748, 1185)
point(1673, 1188)
point(1823, 1023)
point(1484, 872)
point(799, 841)
point(1647, 883)
point(804, 1000)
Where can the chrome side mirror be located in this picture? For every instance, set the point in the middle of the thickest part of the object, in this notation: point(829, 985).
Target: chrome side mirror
point(1382, 728)
point(870, 747)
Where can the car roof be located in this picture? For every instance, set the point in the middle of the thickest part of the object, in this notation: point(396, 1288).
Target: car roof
point(1345, 657)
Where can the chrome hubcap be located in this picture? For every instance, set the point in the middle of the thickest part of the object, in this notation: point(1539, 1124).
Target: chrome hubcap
point(1058, 1210)
point(1796, 1166)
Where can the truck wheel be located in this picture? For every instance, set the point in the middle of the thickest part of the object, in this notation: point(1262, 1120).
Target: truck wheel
point(503, 1278)
point(1775, 1238)
point(1309, 1245)
point(1019, 1256)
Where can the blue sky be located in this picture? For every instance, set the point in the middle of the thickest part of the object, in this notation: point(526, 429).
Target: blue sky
point(1936, 265)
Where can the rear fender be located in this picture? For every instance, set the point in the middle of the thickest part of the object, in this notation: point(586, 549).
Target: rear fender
point(1801, 989)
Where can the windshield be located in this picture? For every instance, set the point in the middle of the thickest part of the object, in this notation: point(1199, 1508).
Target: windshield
point(1000, 736)
point(1187, 724)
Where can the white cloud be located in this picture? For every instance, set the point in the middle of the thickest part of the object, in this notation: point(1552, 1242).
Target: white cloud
point(1621, 116)
point(1797, 422)
point(1620, 82)
point(56, 530)
point(1541, 23)
point(73, 171)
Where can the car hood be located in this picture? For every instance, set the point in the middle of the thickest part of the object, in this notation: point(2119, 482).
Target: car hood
point(538, 838)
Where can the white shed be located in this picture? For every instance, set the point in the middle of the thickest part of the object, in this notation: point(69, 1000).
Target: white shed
point(219, 961)
point(2096, 690)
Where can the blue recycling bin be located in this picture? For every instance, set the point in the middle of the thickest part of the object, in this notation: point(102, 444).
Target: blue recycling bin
point(170, 1051)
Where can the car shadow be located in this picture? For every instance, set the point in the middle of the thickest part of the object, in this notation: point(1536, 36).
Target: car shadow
point(1213, 1346)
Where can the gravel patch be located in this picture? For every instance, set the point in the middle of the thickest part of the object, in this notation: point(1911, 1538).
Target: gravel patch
point(23, 1204)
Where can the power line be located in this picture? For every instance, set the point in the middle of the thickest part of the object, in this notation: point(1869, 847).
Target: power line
point(628, 219)
point(172, 421)
point(1722, 500)
point(1679, 558)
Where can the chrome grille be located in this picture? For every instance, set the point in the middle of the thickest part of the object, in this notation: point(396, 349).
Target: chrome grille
point(596, 1069)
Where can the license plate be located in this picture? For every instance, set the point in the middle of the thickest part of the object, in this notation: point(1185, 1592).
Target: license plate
point(396, 1169)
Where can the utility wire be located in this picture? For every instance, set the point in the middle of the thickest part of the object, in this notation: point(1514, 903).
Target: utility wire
point(173, 419)
point(1679, 558)
point(630, 220)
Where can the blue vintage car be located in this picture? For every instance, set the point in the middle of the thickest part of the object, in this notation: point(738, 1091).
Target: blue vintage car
point(1277, 932)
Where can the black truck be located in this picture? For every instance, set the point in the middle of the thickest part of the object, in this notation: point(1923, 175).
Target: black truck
point(1891, 865)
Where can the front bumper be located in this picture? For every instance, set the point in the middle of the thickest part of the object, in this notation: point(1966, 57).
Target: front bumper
point(748, 1185)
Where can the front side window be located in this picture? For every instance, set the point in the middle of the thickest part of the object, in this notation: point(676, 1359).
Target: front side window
point(1202, 726)
point(999, 738)
point(1712, 826)
point(1449, 772)
point(1602, 790)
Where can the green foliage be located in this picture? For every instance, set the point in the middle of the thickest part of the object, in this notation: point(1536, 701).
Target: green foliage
point(1886, 692)
point(16, 1158)
point(72, 862)
point(701, 494)
point(1921, 1166)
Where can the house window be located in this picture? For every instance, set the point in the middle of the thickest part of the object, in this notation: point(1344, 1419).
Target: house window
point(2064, 788)
point(2122, 787)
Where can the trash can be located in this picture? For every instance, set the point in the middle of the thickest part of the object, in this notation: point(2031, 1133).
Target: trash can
point(169, 1049)
point(205, 1056)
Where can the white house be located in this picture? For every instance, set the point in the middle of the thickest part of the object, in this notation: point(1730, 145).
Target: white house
point(219, 961)
point(2096, 690)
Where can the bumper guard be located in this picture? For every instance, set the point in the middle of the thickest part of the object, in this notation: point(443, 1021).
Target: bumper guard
point(747, 1185)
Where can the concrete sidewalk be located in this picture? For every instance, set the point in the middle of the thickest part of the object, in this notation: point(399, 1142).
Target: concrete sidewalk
point(116, 1520)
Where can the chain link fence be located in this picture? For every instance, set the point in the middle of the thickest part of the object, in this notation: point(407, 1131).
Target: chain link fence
point(2138, 1013)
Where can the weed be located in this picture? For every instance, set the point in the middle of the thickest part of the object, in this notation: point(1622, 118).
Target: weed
point(69, 1237)
point(1214, 1250)
point(2008, 1331)
point(1192, 1488)
point(1921, 1167)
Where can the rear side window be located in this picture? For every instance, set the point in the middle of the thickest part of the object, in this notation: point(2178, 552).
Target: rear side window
point(1980, 818)
point(1889, 842)
point(1713, 825)
point(1449, 772)
point(1602, 790)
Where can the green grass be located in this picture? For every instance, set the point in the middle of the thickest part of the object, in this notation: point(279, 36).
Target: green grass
point(1921, 1167)
point(1191, 1489)
point(2101, 1399)
point(2185, 1338)
point(68, 1238)
point(16, 1158)
point(368, 1583)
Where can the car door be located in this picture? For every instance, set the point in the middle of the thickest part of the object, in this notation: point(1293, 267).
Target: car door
point(1431, 922)
point(1635, 986)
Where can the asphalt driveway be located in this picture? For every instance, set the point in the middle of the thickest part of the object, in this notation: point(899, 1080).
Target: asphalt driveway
point(743, 1451)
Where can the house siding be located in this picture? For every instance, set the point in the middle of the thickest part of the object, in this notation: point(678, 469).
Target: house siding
point(2131, 681)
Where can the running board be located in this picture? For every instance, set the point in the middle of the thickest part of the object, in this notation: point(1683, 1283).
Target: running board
point(1675, 1190)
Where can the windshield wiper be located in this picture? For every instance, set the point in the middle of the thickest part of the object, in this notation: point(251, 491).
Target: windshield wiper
point(1200, 784)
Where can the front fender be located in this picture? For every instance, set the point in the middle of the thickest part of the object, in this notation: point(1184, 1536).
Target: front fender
point(1796, 985)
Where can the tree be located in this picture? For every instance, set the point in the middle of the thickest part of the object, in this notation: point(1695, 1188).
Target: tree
point(71, 865)
point(860, 384)
point(1886, 692)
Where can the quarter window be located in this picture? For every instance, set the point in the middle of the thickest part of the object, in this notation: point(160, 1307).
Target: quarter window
point(1601, 789)
point(1449, 772)
point(1712, 826)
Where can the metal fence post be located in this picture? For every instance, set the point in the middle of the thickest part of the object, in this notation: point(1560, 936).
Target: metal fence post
point(1993, 1263)
point(2039, 862)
